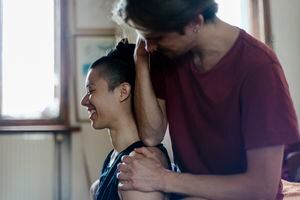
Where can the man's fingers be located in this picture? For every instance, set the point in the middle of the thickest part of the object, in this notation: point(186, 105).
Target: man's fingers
point(125, 185)
point(126, 159)
point(123, 176)
point(122, 167)
point(140, 43)
point(135, 156)
point(140, 53)
point(153, 153)
point(145, 151)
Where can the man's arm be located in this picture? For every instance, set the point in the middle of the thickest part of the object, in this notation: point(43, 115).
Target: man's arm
point(150, 111)
point(260, 181)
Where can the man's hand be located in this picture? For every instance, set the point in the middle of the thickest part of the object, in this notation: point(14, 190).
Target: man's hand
point(141, 56)
point(142, 170)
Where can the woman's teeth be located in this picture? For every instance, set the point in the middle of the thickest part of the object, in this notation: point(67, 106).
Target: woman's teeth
point(91, 112)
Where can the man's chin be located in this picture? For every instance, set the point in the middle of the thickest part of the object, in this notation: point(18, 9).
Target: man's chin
point(171, 54)
point(168, 54)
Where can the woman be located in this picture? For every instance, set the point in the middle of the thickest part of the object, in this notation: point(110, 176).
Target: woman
point(109, 85)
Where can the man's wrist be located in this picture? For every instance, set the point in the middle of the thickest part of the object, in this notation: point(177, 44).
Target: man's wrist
point(141, 65)
point(164, 180)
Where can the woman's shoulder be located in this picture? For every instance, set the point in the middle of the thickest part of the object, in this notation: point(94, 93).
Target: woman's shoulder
point(158, 152)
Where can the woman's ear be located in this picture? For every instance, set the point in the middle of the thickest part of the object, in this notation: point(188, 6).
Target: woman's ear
point(124, 91)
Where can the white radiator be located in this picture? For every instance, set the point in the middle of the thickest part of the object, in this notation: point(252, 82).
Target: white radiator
point(27, 167)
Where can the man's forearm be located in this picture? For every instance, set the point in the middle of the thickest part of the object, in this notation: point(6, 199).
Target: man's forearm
point(260, 181)
point(150, 116)
point(231, 187)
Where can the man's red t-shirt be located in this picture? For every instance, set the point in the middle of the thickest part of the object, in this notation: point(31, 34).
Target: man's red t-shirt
point(214, 117)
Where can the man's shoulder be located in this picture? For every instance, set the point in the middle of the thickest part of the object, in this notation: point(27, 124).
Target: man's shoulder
point(257, 52)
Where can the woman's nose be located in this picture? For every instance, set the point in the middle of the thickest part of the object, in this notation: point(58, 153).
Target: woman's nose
point(84, 100)
point(150, 46)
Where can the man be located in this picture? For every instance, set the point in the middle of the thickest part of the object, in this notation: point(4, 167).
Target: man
point(224, 96)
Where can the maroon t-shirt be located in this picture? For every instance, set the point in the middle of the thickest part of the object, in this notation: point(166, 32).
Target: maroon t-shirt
point(241, 103)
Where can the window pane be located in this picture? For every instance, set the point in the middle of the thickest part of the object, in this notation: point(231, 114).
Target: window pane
point(29, 82)
point(235, 12)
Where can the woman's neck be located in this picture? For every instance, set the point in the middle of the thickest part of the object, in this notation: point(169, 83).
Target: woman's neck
point(124, 133)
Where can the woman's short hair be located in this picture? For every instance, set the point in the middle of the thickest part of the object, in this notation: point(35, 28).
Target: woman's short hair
point(117, 66)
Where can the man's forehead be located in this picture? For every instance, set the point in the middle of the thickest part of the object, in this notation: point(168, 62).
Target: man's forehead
point(142, 31)
point(149, 35)
point(136, 26)
point(152, 35)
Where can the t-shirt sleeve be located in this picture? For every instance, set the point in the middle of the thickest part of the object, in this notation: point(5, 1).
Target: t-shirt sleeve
point(268, 114)
point(157, 77)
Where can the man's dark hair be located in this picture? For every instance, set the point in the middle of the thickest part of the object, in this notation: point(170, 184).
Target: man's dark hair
point(117, 66)
point(164, 15)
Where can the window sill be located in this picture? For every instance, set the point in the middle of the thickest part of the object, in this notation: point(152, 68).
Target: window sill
point(41, 128)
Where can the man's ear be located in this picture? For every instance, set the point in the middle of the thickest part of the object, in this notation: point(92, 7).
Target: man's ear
point(196, 23)
point(124, 91)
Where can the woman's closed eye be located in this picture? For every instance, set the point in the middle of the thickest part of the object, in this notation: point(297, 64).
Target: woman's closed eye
point(89, 92)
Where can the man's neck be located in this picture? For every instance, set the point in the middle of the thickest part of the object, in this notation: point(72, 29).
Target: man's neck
point(214, 41)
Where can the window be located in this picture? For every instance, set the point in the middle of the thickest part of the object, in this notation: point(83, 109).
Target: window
point(31, 73)
point(250, 15)
point(235, 12)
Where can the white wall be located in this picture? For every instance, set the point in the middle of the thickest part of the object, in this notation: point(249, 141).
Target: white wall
point(285, 24)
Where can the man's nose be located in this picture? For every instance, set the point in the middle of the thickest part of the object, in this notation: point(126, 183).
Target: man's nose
point(150, 46)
